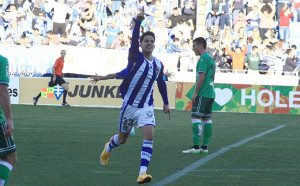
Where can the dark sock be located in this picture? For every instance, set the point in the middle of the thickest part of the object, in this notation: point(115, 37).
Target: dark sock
point(38, 96)
point(65, 95)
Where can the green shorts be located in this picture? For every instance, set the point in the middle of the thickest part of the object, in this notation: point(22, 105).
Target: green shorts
point(203, 107)
point(7, 145)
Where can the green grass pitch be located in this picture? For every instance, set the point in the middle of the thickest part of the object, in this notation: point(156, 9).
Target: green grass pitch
point(61, 146)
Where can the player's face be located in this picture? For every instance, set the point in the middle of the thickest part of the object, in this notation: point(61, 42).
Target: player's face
point(63, 54)
point(147, 44)
point(198, 49)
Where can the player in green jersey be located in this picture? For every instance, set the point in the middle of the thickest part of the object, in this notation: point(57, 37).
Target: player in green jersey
point(8, 154)
point(203, 97)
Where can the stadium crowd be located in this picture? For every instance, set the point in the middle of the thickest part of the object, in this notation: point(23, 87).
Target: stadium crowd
point(242, 35)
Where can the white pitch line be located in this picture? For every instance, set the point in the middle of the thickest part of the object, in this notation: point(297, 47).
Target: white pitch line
point(202, 161)
point(239, 170)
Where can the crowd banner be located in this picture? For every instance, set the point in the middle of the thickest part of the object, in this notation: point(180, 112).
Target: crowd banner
point(83, 93)
point(37, 61)
point(13, 90)
point(246, 98)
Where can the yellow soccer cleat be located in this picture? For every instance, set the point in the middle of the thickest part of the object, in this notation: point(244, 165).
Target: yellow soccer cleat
point(104, 155)
point(144, 178)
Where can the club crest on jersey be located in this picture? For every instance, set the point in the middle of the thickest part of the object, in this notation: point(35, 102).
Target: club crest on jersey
point(149, 114)
point(157, 71)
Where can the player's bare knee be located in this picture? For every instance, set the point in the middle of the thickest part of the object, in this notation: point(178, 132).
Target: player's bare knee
point(122, 140)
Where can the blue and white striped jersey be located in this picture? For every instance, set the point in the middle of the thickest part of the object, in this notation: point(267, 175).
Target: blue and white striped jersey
point(140, 75)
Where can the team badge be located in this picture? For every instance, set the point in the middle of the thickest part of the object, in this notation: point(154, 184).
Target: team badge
point(157, 71)
point(149, 114)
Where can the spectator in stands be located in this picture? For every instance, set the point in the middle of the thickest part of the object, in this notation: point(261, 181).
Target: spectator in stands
point(173, 47)
point(240, 34)
point(179, 35)
point(213, 18)
point(27, 42)
point(252, 61)
point(225, 61)
point(279, 50)
point(240, 22)
point(161, 35)
point(297, 53)
point(111, 33)
point(213, 50)
point(250, 5)
point(238, 7)
point(280, 5)
point(227, 37)
point(21, 41)
point(101, 14)
point(96, 39)
point(284, 25)
point(40, 22)
point(238, 57)
point(268, 61)
point(59, 17)
point(214, 34)
point(37, 39)
point(52, 39)
point(297, 11)
point(266, 22)
point(159, 11)
point(67, 41)
point(256, 37)
point(184, 28)
point(225, 14)
point(116, 44)
point(187, 58)
point(189, 9)
point(172, 21)
point(8, 39)
point(290, 62)
point(253, 19)
point(15, 31)
point(149, 12)
point(87, 41)
point(169, 7)
point(2, 25)
point(12, 15)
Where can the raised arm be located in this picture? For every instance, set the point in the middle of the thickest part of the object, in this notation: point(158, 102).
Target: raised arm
point(134, 48)
point(230, 52)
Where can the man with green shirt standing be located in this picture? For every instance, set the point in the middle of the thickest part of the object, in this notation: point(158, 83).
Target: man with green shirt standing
point(203, 97)
point(8, 154)
point(252, 61)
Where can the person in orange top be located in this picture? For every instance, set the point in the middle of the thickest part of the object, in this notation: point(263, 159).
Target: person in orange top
point(238, 57)
point(57, 78)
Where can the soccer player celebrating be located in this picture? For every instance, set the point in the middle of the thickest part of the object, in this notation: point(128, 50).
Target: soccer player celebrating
point(8, 154)
point(56, 78)
point(136, 89)
point(203, 97)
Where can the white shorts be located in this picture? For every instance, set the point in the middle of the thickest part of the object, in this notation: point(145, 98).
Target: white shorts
point(131, 116)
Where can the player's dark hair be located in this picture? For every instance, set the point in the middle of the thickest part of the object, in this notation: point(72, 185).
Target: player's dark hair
point(288, 51)
point(200, 41)
point(148, 33)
